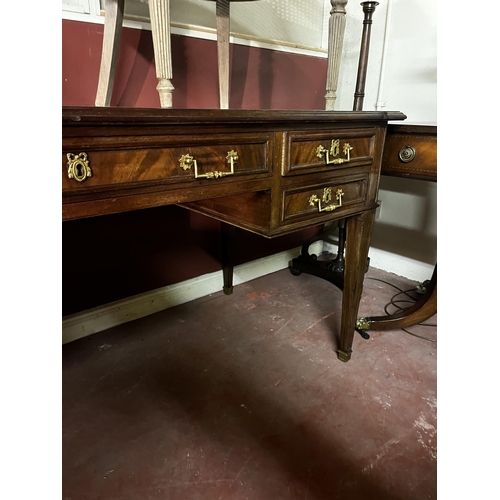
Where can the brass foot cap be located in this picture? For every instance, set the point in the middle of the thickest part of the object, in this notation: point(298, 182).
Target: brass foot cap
point(344, 356)
point(228, 290)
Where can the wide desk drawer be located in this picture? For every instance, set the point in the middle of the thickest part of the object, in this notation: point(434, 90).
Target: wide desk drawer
point(316, 202)
point(106, 165)
point(323, 151)
point(410, 151)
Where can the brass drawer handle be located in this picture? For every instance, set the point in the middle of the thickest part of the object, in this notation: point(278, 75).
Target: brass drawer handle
point(78, 167)
point(186, 161)
point(327, 197)
point(334, 151)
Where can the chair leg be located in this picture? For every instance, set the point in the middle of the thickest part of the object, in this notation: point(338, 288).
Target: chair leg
point(222, 15)
point(111, 42)
point(159, 11)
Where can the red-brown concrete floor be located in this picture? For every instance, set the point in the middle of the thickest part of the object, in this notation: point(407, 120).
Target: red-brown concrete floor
point(242, 397)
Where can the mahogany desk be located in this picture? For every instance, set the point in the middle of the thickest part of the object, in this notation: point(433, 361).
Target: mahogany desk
point(409, 151)
point(269, 172)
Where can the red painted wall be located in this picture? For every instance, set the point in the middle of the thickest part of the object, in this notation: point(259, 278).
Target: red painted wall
point(112, 257)
point(260, 78)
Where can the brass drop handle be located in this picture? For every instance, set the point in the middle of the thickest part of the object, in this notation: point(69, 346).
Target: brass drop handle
point(334, 150)
point(326, 198)
point(78, 167)
point(186, 161)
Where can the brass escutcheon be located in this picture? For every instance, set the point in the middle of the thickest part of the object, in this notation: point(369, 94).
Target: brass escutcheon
point(326, 198)
point(78, 167)
point(333, 152)
point(187, 160)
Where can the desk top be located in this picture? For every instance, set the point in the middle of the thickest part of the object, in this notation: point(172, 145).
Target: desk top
point(75, 116)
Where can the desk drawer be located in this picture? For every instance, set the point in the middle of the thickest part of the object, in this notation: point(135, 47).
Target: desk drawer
point(411, 151)
point(321, 151)
point(320, 201)
point(118, 165)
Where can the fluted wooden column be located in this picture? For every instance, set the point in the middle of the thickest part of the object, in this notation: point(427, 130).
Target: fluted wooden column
point(159, 12)
point(335, 43)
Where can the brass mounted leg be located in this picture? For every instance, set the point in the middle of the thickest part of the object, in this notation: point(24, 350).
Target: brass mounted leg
point(358, 234)
point(419, 312)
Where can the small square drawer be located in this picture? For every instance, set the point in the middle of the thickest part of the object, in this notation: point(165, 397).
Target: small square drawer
point(320, 151)
point(112, 165)
point(322, 200)
point(411, 152)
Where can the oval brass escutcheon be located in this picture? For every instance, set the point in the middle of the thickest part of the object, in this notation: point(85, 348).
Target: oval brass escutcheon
point(78, 167)
point(407, 153)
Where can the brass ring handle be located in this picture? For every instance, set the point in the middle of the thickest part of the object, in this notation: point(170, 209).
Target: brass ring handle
point(78, 167)
point(186, 161)
point(334, 151)
point(407, 153)
point(326, 198)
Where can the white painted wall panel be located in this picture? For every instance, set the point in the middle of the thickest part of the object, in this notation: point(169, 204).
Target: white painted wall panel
point(410, 79)
point(301, 22)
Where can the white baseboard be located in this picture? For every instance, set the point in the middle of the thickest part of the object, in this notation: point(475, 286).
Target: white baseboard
point(402, 266)
point(101, 318)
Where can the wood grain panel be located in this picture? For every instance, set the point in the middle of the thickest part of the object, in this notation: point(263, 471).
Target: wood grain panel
point(146, 165)
point(250, 211)
point(301, 150)
point(296, 201)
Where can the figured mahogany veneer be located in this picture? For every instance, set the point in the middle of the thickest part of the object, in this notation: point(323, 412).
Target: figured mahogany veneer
point(279, 171)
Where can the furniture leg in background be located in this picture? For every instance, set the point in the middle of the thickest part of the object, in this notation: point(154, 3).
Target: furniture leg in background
point(336, 30)
point(227, 253)
point(110, 44)
point(222, 17)
point(159, 11)
point(222, 14)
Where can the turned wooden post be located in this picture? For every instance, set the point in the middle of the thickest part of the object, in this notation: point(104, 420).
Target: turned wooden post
point(359, 93)
point(159, 12)
point(335, 43)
